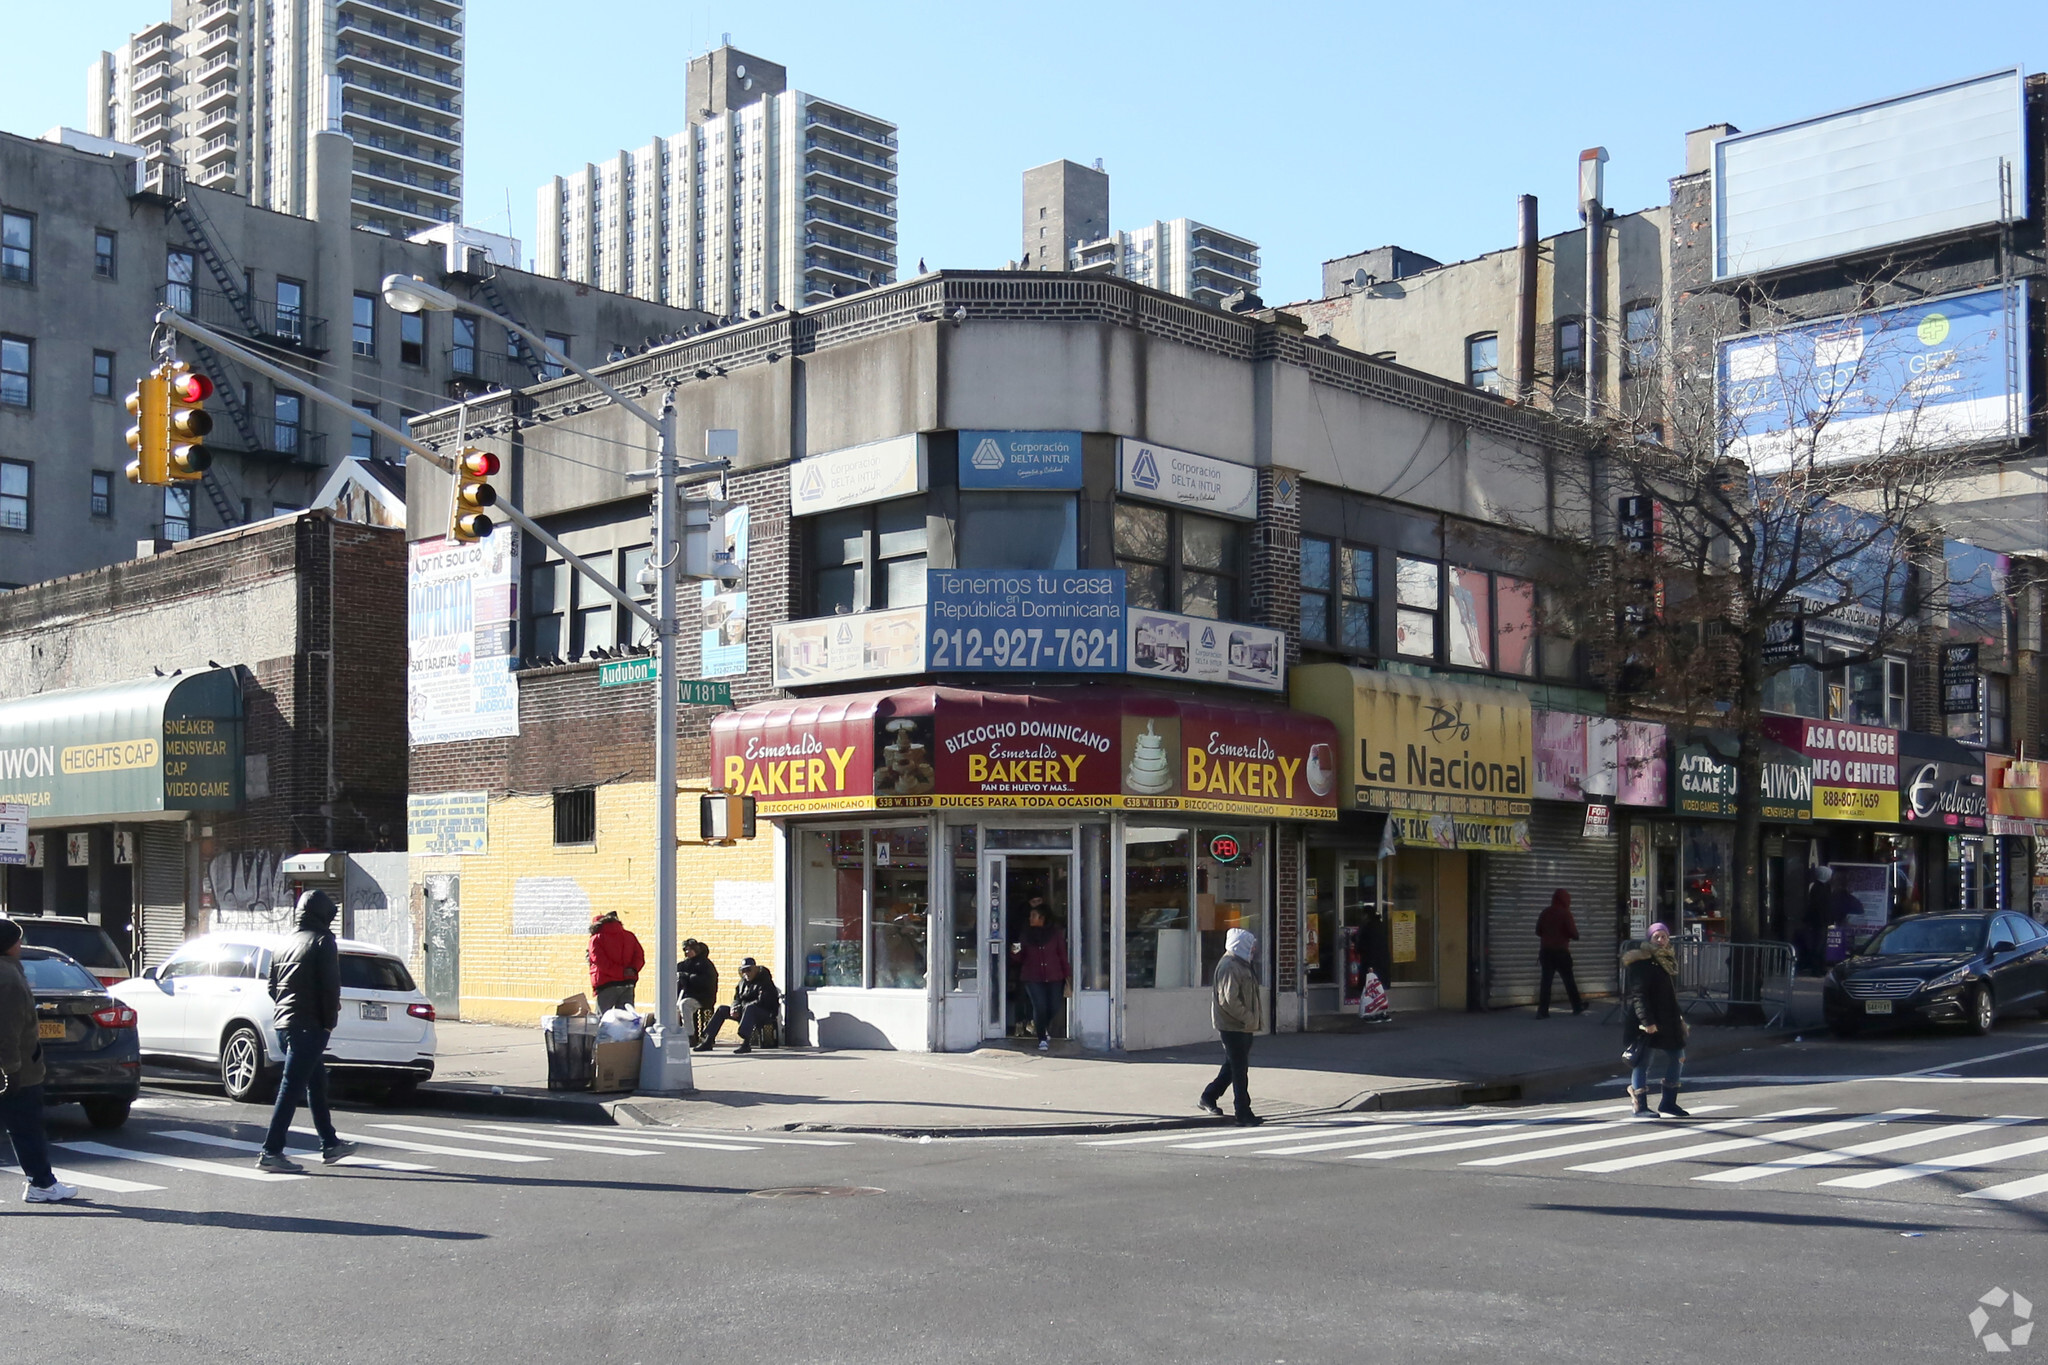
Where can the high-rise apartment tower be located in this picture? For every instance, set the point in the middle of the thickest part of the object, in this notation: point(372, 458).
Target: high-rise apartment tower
point(1066, 227)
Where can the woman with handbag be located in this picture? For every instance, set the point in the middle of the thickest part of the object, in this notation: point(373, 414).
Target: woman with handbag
point(1653, 1023)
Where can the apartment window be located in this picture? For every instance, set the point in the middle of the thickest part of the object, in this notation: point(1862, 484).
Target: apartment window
point(1571, 345)
point(103, 257)
point(103, 374)
point(868, 558)
point(1514, 625)
point(1482, 362)
point(576, 816)
point(1997, 711)
point(17, 248)
point(412, 339)
point(1418, 594)
point(1178, 561)
point(291, 299)
point(178, 267)
point(1003, 530)
point(363, 325)
point(1557, 636)
point(362, 442)
point(17, 356)
point(284, 423)
point(178, 513)
point(1469, 614)
point(102, 493)
point(14, 489)
point(1337, 588)
point(559, 344)
point(463, 355)
point(1639, 338)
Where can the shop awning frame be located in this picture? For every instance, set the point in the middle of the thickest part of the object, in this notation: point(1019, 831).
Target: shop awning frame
point(144, 749)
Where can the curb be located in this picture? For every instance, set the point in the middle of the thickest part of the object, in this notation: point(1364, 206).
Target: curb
point(514, 1104)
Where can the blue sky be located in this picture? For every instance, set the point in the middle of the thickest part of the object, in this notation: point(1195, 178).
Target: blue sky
point(1317, 129)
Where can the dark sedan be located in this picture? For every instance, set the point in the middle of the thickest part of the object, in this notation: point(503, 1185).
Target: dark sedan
point(90, 1045)
point(1963, 969)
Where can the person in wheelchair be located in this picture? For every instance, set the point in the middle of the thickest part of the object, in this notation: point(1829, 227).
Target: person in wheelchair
point(754, 1003)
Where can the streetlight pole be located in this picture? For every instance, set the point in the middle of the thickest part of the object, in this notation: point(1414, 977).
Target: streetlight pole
point(665, 1069)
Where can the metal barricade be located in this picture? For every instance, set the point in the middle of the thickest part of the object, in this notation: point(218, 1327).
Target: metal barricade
point(1721, 976)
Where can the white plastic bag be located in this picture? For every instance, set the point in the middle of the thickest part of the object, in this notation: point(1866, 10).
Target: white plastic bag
point(619, 1025)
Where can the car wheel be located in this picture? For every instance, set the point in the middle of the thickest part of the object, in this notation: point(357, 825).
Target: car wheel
point(243, 1073)
point(105, 1113)
point(1982, 1011)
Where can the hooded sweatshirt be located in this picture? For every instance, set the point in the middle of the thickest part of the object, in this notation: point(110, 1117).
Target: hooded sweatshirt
point(1237, 1005)
point(1555, 927)
point(305, 977)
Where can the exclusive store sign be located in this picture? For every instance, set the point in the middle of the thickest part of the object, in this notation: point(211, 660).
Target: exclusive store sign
point(1855, 767)
point(1098, 749)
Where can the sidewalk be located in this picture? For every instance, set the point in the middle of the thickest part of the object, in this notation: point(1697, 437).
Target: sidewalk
point(1413, 1061)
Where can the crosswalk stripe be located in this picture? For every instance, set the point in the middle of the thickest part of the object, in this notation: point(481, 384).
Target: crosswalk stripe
point(1182, 1134)
point(2012, 1189)
point(1344, 1143)
point(1246, 1140)
point(1706, 1149)
point(515, 1142)
point(615, 1139)
point(429, 1147)
point(177, 1163)
point(1523, 1132)
point(237, 1145)
point(90, 1182)
point(1983, 1156)
point(1881, 1145)
point(1661, 1133)
point(667, 1136)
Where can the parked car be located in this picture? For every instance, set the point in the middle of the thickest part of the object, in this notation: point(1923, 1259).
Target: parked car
point(90, 1048)
point(209, 1005)
point(83, 941)
point(1944, 968)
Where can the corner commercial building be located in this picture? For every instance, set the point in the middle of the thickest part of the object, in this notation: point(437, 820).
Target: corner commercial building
point(97, 238)
point(768, 198)
point(1222, 621)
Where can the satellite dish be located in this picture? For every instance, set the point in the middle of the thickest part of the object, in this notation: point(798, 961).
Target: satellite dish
point(1359, 279)
point(740, 71)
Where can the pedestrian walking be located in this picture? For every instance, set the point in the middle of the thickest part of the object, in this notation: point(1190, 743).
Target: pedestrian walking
point(1555, 932)
point(305, 987)
point(1236, 1009)
point(21, 1076)
point(1042, 962)
point(754, 1002)
point(696, 984)
point(1654, 1025)
point(615, 961)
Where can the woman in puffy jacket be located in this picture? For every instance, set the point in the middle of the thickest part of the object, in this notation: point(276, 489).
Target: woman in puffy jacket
point(1653, 1023)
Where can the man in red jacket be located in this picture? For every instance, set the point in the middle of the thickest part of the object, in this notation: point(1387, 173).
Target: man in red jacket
point(615, 961)
point(1555, 930)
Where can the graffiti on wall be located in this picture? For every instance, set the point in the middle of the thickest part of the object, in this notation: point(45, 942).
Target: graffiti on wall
point(247, 890)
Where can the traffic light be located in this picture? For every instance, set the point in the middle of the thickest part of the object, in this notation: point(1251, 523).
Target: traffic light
point(723, 819)
point(467, 519)
point(187, 424)
point(149, 405)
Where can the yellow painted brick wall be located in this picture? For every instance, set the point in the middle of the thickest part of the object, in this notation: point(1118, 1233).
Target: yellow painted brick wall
point(515, 979)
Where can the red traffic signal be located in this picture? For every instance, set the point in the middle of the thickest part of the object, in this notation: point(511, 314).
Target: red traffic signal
point(476, 464)
point(466, 518)
point(191, 387)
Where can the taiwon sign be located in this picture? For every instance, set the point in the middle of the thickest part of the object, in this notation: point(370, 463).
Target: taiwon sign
point(1423, 745)
point(1707, 781)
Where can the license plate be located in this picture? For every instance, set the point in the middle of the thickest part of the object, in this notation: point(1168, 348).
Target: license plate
point(372, 1011)
point(49, 1028)
point(1877, 1007)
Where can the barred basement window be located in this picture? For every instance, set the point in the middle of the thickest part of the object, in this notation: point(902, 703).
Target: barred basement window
point(576, 816)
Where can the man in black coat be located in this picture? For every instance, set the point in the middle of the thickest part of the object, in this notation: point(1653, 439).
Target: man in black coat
point(696, 983)
point(754, 1002)
point(305, 983)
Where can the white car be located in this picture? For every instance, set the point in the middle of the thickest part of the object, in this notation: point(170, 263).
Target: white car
point(209, 1003)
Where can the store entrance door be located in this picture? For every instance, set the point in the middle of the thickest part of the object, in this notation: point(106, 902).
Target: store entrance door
point(1015, 882)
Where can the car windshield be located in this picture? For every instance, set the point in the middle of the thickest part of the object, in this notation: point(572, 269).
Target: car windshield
point(1930, 936)
point(360, 971)
point(86, 942)
point(56, 974)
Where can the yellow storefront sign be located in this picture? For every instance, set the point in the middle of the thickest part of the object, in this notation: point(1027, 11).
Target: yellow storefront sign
point(1423, 745)
point(1856, 803)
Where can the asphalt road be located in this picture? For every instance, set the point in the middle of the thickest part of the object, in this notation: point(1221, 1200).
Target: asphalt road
point(1829, 1201)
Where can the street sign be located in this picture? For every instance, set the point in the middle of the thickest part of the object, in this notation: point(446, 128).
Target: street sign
point(701, 693)
point(620, 672)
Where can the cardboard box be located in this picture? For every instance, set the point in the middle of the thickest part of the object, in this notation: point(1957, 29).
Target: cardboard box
point(616, 1066)
point(578, 1004)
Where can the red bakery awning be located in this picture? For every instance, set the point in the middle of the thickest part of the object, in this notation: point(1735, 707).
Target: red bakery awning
point(1047, 749)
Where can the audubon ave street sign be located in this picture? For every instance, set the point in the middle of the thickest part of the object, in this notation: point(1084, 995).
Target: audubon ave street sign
point(689, 691)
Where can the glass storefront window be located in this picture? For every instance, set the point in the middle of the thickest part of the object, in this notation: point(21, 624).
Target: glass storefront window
point(1092, 967)
point(1411, 919)
point(1230, 879)
point(1709, 865)
point(966, 956)
point(833, 900)
point(900, 865)
point(1158, 951)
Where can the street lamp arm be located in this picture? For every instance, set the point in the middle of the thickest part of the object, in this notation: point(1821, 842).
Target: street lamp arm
point(423, 295)
point(308, 387)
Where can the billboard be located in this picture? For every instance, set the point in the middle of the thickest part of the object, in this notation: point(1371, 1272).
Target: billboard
point(1914, 166)
point(462, 638)
point(1921, 376)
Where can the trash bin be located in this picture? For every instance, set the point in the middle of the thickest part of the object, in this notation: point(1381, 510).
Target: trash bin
point(570, 1043)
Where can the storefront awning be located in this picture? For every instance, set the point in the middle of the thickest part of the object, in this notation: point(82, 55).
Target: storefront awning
point(1424, 746)
point(131, 749)
point(1050, 749)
